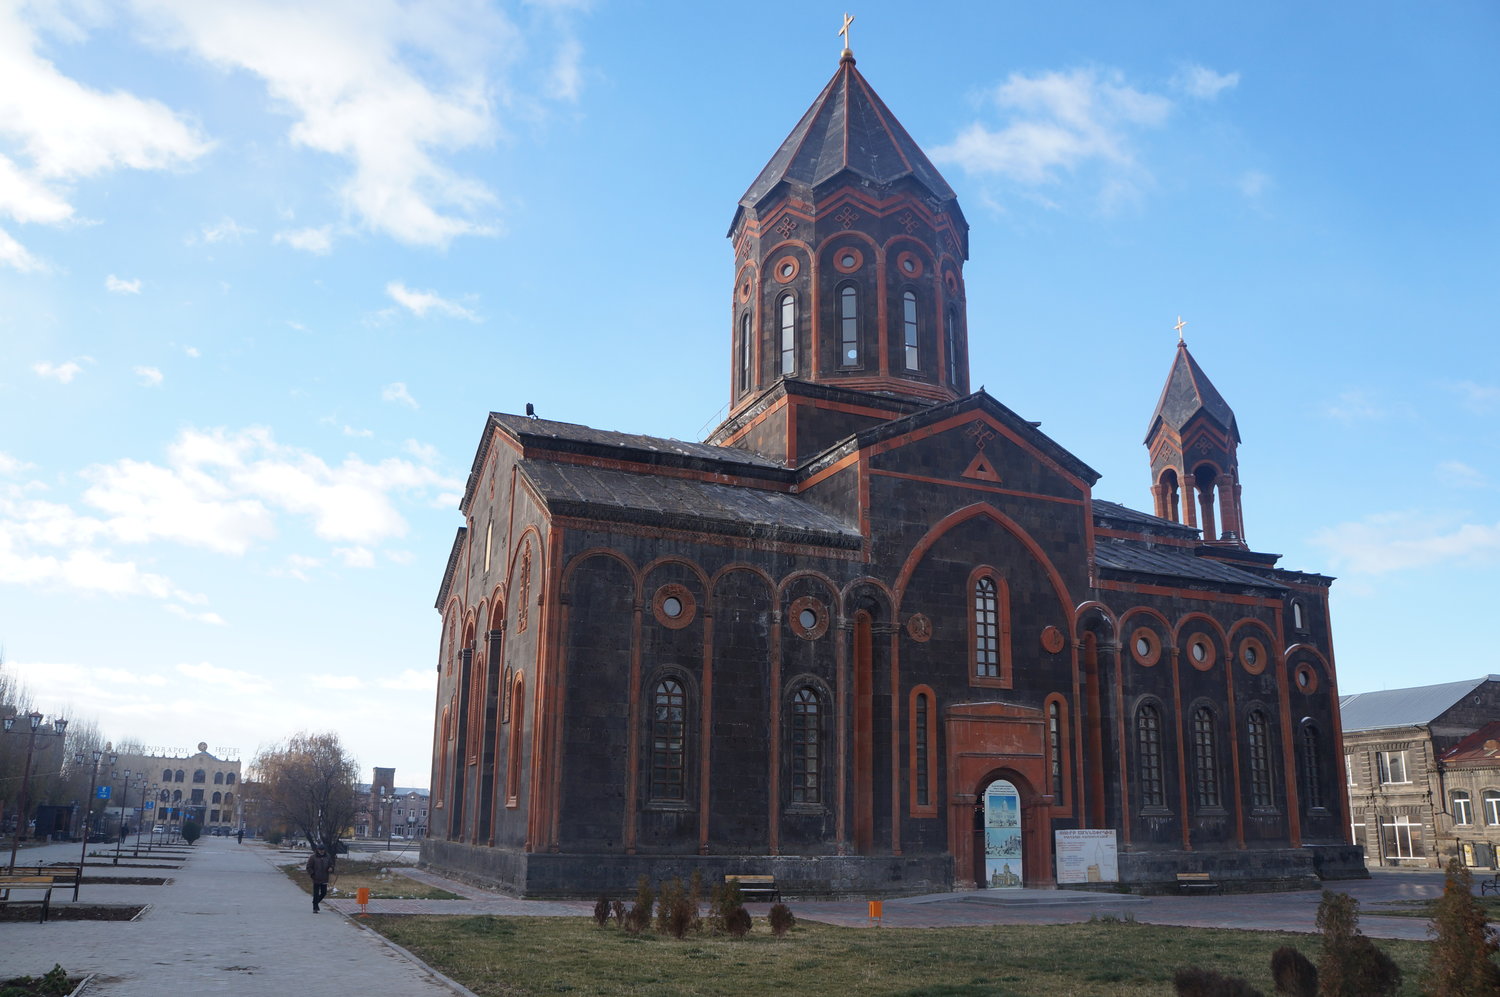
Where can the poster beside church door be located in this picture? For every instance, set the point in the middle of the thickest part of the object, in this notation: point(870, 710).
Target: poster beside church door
point(1087, 856)
point(1002, 835)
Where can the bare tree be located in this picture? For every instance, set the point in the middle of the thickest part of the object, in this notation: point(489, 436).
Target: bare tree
point(307, 783)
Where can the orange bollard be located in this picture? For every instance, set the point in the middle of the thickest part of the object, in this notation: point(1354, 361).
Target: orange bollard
point(876, 912)
point(362, 897)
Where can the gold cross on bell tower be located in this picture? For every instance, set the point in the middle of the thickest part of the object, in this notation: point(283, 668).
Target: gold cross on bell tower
point(1179, 327)
point(848, 20)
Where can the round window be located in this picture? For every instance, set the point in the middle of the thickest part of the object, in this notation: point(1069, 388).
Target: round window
point(671, 607)
point(674, 606)
point(787, 270)
point(1252, 657)
point(909, 265)
point(1142, 647)
point(808, 619)
point(1145, 646)
point(847, 260)
point(1200, 651)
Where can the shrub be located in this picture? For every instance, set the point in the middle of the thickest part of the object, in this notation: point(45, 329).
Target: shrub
point(190, 831)
point(781, 920)
point(638, 919)
point(1351, 965)
point(618, 910)
point(674, 914)
point(601, 911)
point(1194, 982)
point(1294, 973)
point(1460, 963)
point(55, 982)
point(274, 837)
point(737, 922)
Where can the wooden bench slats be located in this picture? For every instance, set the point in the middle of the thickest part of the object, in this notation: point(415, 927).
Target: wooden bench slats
point(1196, 881)
point(16, 881)
point(63, 876)
point(755, 887)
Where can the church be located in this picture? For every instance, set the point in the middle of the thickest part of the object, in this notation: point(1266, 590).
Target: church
point(875, 634)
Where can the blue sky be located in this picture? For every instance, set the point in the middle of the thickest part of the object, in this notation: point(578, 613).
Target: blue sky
point(264, 267)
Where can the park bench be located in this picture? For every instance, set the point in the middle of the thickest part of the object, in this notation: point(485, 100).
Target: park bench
point(1196, 882)
point(761, 888)
point(10, 882)
point(63, 876)
point(1493, 883)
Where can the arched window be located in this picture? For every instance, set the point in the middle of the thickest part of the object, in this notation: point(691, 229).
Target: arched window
point(849, 326)
point(1298, 620)
point(1312, 781)
point(1148, 756)
point(807, 730)
point(1205, 758)
point(229, 799)
point(166, 775)
point(524, 602)
point(668, 741)
point(176, 796)
point(164, 796)
point(986, 629)
point(199, 775)
point(513, 762)
point(218, 778)
point(922, 750)
point(909, 329)
point(1258, 732)
point(951, 334)
point(217, 798)
point(788, 309)
point(180, 775)
point(745, 352)
point(1055, 749)
point(229, 778)
point(1462, 807)
point(1491, 800)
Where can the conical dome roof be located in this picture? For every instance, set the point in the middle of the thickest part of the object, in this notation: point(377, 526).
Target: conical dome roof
point(1189, 391)
point(848, 127)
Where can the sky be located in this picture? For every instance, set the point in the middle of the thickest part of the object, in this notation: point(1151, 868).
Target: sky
point(265, 267)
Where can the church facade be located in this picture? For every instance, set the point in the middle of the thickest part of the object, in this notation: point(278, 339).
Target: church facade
point(875, 634)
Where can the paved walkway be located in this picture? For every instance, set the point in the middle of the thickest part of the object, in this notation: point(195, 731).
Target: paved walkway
point(229, 922)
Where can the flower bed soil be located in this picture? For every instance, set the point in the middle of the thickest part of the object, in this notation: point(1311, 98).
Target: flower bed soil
point(73, 912)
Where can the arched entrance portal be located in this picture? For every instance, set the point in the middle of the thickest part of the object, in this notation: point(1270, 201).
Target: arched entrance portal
point(996, 759)
point(998, 848)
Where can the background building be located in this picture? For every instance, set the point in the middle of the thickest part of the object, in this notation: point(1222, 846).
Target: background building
point(877, 633)
point(387, 810)
point(1424, 773)
point(201, 787)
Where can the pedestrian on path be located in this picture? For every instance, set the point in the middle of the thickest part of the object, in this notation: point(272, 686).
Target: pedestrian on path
point(239, 836)
point(319, 866)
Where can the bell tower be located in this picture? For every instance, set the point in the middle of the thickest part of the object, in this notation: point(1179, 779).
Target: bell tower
point(1194, 445)
point(849, 252)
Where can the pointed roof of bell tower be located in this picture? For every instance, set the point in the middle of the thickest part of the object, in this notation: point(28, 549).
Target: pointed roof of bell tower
point(848, 127)
point(1188, 392)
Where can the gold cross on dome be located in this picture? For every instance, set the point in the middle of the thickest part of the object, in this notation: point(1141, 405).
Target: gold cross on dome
point(1179, 327)
point(848, 20)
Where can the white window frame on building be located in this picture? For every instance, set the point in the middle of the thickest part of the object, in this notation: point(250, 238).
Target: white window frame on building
point(1387, 770)
point(1401, 827)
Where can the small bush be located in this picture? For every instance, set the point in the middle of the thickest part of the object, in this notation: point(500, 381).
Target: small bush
point(190, 831)
point(618, 910)
point(55, 982)
point(781, 920)
point(638, 919)
point(1294, 973)
point(737, 922)
point(601, 911)
point(1460, 963)
point(274, 837)
point(1194, 982)
point(1351, 965)
point(674, 914)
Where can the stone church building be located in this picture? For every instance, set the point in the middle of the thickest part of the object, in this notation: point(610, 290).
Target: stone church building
point(876, 633)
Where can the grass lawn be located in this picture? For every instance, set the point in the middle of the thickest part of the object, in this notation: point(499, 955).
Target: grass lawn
point(1424, 908)
point(516, 956)
point(384, 883)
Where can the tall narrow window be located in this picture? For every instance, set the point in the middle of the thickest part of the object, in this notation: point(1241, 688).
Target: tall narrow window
point(1055, 749)
point(1392, 766)
point(1148, 756)
point(513, 761)
point(807, 726)
point(1491, 808)
point(919, 731)
point(1462, 808)
point(668, 737)
point(909, 327)
point(788, 334)
point(1205, 758)
point(849, 326)
point(1312, 780)
point(1298, 623)
point(986, 630)
point(951, 335)
point(1258, 733)
point(525, 601)
point(745, 352)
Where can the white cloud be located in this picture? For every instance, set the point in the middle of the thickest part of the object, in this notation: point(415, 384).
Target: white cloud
point(1477, 398)
point(63, 373)
point(211, 618)
point(238, 681)
point(1254, 183)
point(363, 433)
point(121, 286)
point(425, 452)
point(356, 557)
point(341, 682)
point(419, 303)
point(410, 679)
point(1060, 123)
point(1353, 406)
point(309, 240)
point(1398, 541)
point(192, 351)
point(1203, 83)
point(1461, 475)
point(397, 393)
point(13, 465)
point(150, 377)
point(227, 230)
point(56, 131)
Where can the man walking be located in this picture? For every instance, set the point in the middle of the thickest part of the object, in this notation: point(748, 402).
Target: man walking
point(319, 866)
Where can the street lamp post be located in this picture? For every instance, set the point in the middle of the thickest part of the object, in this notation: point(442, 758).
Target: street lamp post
point(58, 726)
point(143, 814)
point(88, 802)
point(124, 797)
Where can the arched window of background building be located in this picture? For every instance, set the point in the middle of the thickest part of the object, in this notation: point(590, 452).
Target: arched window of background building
point(1205, 758)
point(668, 741)
point(807, 730)
point(788, 310)
point(1148, 756)
point(909, 329)
point(986, 629)
point(1257, 732)
point(849, 326)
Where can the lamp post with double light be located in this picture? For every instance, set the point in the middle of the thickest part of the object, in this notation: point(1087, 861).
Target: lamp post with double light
point(124, 826)
point(98, 755)
point(142, 829)
point(34, 724)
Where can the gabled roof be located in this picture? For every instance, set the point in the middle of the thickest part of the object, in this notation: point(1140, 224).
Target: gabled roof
point(1113, 514)
point(620, 496)
point(849, 128)
point(1404, 707)
point(1480, 748)
point(1175, 563)
point(1188, 391)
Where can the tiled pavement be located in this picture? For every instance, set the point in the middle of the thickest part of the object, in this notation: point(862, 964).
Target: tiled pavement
point(230, 923)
